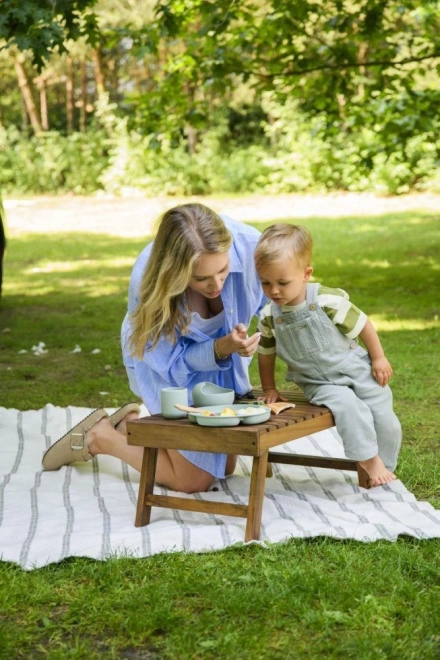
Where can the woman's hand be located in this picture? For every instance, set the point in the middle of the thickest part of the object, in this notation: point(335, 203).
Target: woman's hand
point(237, 341)
point(243, 345)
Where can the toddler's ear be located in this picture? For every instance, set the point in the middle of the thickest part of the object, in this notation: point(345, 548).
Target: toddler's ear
point(308, 273)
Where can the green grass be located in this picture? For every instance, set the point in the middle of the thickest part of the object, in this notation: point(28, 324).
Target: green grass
point(317, 598)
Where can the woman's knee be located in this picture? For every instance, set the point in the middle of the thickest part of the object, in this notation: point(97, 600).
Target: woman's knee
point(178, 473)
point(199, 484)
point(231, 464)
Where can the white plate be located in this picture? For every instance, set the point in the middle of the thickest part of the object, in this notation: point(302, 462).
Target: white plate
point(261, 414)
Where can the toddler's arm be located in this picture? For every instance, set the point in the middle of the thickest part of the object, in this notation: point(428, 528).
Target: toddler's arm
point(380, 367)
point(266, 366)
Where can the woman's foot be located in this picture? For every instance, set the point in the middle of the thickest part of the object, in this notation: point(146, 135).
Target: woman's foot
point(73, 446)
point(122, 425)
point(119, 418)
point(378, 474)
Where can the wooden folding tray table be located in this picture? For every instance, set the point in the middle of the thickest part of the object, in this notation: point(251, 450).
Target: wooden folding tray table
point(156, 432)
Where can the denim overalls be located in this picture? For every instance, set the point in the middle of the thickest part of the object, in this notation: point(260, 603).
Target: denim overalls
point(335, 371)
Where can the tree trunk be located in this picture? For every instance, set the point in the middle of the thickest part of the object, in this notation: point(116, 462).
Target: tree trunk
point(43, 107)
point(191, 136)
point(26, 92)
point(69, 96)
point(362, 58)
point(83, 104)
point(99, 76)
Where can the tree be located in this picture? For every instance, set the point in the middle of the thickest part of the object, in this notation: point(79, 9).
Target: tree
point(41, 27)
point(328, 54)
point(46, 25)
point(352, 64)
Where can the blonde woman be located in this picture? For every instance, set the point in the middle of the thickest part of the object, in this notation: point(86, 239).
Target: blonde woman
point(192, 294)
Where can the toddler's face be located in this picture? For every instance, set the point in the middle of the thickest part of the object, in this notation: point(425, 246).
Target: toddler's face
point(285, 281)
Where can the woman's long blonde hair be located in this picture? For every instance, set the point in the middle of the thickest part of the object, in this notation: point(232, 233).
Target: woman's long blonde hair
point(185, 233)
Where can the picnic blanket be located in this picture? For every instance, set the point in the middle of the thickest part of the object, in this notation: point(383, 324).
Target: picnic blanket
point(88, 509)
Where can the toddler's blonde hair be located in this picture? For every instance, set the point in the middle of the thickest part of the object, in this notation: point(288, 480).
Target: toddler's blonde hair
point(282, 241)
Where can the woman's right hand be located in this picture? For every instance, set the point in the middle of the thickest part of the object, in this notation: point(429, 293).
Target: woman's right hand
point(237, 341)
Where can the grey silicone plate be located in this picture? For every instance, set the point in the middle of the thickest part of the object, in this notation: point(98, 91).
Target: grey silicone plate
point(259, 415)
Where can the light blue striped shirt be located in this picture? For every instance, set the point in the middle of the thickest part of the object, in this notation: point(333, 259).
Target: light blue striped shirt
point(191, 359)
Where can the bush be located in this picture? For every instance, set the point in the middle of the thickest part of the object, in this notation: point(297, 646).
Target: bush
point(298, 154)
point(51, 162)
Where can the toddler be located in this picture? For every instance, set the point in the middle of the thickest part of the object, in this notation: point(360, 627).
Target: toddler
point(314, 329)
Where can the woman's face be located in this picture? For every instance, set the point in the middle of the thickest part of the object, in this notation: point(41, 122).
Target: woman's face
point(209, 274)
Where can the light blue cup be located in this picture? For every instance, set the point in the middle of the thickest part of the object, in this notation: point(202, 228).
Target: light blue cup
point(169, 396)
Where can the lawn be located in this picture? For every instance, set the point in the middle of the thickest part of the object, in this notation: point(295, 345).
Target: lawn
point(316, 598)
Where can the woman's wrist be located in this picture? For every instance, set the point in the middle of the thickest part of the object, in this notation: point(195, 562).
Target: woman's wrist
point(217, 353)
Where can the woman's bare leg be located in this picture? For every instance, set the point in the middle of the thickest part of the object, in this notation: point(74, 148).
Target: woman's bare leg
point(175, 471)
point(102, 438)
point(172, 470)
point(231, 463)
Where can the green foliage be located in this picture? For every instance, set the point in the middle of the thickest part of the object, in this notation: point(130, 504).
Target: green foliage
point(323, 54)
point(43, 26)
point(291, 152)
point(52, 163)
point(359, 82)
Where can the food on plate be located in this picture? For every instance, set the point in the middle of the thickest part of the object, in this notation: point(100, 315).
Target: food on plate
point(206, 413)
point(227, 412)
point(250, 410)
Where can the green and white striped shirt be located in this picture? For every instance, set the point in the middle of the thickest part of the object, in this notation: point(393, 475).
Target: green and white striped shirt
point(348, 318)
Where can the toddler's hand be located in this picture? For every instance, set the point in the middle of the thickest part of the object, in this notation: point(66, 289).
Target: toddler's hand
point(381, 370)
point(271, 396)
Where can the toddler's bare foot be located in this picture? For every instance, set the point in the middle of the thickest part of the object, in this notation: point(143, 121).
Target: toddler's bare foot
point(377, 472)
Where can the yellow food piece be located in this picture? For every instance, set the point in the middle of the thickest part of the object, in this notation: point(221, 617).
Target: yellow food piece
point(227, 412)
point(206, 413)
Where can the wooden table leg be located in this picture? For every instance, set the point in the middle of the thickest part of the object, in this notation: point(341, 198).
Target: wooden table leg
point(256, 494)
point(363, 477)
point(146, 486)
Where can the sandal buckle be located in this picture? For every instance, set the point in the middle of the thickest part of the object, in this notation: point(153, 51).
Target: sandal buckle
point(73, 442)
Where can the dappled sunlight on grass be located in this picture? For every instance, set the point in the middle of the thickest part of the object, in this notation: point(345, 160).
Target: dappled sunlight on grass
point(76, 265)
point(87, 288)
point(383, 324)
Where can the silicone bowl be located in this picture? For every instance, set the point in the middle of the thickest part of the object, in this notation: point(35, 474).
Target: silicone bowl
point(209, 394)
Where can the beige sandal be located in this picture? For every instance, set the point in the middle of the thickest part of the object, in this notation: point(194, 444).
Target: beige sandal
point(122, 412)
point(72, 447)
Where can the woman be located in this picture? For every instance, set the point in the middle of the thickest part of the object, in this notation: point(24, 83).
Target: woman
point(192, 294)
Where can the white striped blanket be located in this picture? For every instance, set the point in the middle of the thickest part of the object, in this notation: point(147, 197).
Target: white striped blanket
point(88, 509)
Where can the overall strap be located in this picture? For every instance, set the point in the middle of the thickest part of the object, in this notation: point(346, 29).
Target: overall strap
point(312, 292)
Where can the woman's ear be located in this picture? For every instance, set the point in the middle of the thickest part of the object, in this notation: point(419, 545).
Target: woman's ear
point(308, 273)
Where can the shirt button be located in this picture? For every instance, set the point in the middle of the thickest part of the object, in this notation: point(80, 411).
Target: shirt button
point(312, 307)
point(279, 320)
point(353, 344)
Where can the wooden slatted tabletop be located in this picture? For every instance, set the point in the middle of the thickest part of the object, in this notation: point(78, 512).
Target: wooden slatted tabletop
point(156, 432)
